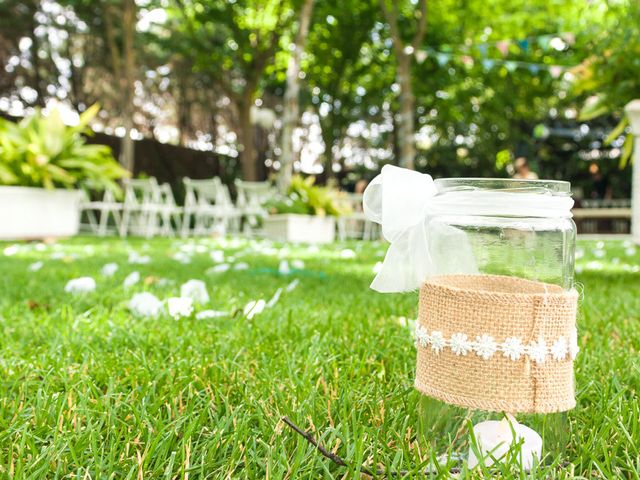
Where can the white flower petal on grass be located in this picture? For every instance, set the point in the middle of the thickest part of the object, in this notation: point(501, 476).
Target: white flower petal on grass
point(538, 350)
point(254, 307)
point(313, 249)
point(594, 265)
point(600, 245)
point(347, 253)
point(579, 253)
point(205, 314)
point(35, 266)
point(11, 250)
point(599, 253)
point(437, 341)
point(109, 269)
point(241, 266)
point(135, 257)
point(57, 256)
point(179, 307)
point(80, 285)
point(298, 264)
point(559, 349)
point(275, 298)
point(513, 348)
point(182, 257)
point(217, 256)
point(292, 286)
point(131, 279)
point(283, 268)
point(195, 290)
point(630, 251)
point(460, 344)
point(145, 304)
point(223, 267)
point(485, 346)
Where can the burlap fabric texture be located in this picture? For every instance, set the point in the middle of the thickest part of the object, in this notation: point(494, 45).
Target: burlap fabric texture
point(501, 307)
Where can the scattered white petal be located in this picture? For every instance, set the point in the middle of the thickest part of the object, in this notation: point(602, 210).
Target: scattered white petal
point(297, 263)
point(485, 346)
point(538, 350)
point(599, 253)
point(313, 249)
point(254, 307)
point(135, 257)
point(195, 290)
point(241, 266)
point(223, 267)
point(578, 268)
point(217, 256)
point(594, 265)
point(513, 348)
point(292, 286)
point(630, 251)
point(11, 250)
point(145, 304)
point(109, 269)
point(600, 245)
point(182, 257)
point(275, 298)
point(283, 268)
point(559, 349)
point(179, 307)
point(131, 279)
point(40, 247)
point(57, 256)
point(205, 314)
point(579, 253)
point(347, 253)
point(80, 285)
point(35, 266)
point(460, 344)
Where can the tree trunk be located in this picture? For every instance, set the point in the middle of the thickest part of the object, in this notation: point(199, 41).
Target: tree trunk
point(406, 133)
point(291, 98)
point(127, 151)
point(248, 157)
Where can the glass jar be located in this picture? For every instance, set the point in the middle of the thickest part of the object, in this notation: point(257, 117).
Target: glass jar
point(536, 246)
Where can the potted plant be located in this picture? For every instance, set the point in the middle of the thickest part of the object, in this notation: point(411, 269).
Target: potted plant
point(305, 214)
point(43, 162)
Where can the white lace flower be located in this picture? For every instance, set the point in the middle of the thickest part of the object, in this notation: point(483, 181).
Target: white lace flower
point(180, 307)
point(559, 349)
point(513, 348)
point(196, 290)
point(422, 337)
point(538, 350)
point(485, 347)
point(459, 344)
point(573, 345)
point(437, 341)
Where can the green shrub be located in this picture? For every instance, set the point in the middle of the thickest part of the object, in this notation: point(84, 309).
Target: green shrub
point(44, 152)
point(303, 197)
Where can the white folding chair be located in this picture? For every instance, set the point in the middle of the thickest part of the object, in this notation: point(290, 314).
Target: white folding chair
point(250, 200)
point(209, 204)
point(355, 224)
point(98, 212)
point(167, 212)
point(139, 211)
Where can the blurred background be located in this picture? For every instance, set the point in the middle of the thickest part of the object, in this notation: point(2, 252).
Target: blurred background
point(262, 89)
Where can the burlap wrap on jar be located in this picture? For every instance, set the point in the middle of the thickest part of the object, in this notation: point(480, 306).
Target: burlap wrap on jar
point(500, 307)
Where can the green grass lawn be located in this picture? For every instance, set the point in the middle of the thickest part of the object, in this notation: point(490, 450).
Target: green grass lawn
point(89, 391)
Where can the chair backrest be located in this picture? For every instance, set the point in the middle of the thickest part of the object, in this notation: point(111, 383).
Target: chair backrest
point(141, 191)
point(166, 195)
point(201, 192)
point(253, 193)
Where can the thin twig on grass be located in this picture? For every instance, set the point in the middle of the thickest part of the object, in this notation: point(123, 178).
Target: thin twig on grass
point(340, 461)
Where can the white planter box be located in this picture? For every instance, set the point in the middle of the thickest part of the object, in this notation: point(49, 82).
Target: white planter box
point(32, 213)
point(300, 228)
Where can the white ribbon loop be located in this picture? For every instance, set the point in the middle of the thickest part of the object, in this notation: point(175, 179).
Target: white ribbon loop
point(404, 201)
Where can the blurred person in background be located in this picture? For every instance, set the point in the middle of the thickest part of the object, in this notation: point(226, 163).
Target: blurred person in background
point(600, 187)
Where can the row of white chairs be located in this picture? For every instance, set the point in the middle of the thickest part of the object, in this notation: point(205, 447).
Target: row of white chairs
point(150, 209)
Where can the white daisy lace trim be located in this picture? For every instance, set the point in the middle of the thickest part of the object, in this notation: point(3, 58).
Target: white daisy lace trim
point(485, 346)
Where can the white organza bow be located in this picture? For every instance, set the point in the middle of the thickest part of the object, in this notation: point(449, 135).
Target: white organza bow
point(403, 202)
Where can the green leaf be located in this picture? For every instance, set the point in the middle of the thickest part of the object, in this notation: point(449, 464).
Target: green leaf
point(627, 150)
point(617, 131)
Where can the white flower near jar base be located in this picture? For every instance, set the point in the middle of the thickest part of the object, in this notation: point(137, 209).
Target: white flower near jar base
point(179, 307)
point(538, 351)
point(196, 290)
point(513, 348)
point(109, 269)
point(485, 346)
point(460, 344)
point(559, 349)
point(145, 304)
point(80, 285)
